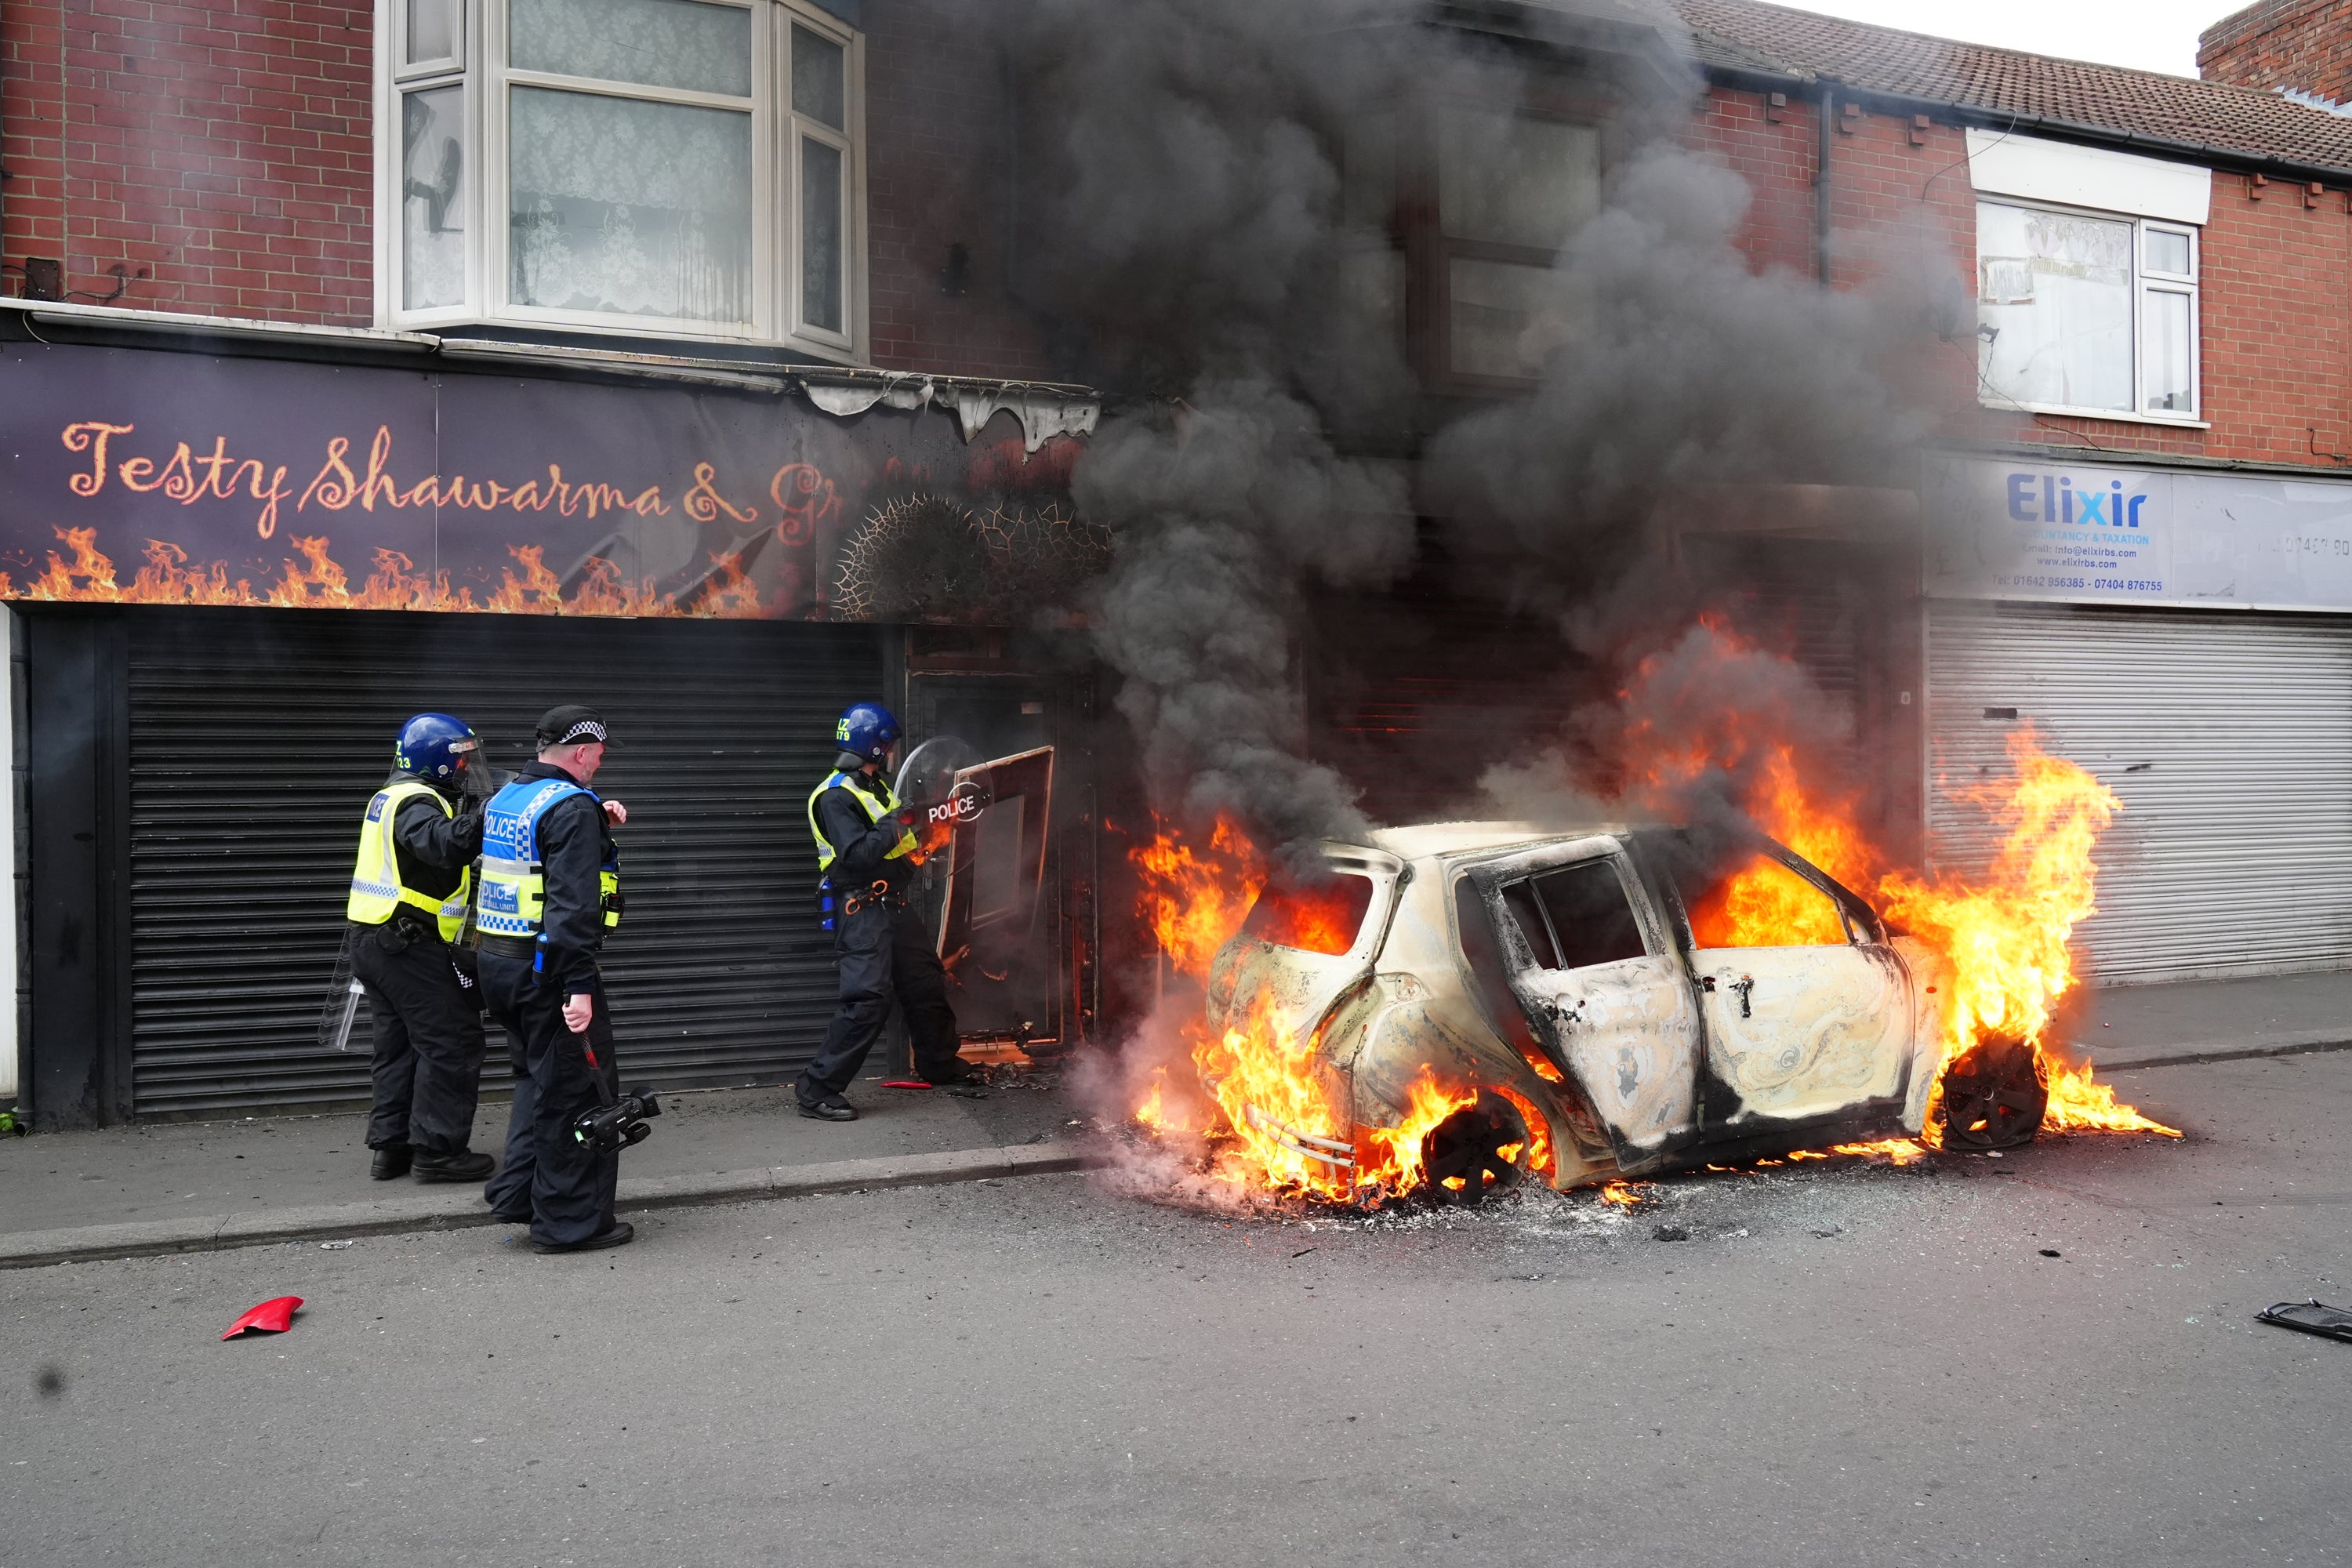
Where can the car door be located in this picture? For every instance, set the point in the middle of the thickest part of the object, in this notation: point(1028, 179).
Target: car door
point(1806, 1009)
point(1592, 963)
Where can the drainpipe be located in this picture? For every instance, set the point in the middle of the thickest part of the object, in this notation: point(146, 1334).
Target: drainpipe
point(1822, 188)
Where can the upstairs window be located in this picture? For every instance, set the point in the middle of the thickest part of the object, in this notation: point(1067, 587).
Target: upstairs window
point(1456, 221)
point(672, 167)
point(2086, 314)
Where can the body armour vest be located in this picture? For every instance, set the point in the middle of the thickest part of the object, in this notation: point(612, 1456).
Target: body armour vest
point(514, 881)
point(377, 891)
point(877, 807)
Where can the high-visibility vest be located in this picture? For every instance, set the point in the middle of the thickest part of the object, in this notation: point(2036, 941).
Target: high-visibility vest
point(876, 808)
point(514, 882)
point(377, 891)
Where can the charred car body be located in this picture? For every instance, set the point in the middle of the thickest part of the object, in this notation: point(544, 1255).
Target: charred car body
point(1565, 975)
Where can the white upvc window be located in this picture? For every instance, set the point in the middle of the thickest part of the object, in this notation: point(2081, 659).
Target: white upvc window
point(672, 168)
point(2086, 312)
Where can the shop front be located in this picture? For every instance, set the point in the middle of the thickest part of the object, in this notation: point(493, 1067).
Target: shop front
point(2186, 634)
point(232, 573)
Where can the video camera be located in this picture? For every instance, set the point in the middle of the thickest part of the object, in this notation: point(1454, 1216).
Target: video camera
point(608, 1129)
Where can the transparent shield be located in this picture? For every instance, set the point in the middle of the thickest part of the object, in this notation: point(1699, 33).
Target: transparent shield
point(927, 780)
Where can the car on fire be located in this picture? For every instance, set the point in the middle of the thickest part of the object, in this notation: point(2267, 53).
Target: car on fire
point(1619, 1001)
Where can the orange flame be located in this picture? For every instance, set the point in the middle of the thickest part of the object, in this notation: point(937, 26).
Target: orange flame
point(318, 581)
point(1194, 901)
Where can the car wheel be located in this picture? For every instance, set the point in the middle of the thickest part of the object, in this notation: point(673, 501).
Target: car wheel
point(1993, 1098)
point(1465, 1154)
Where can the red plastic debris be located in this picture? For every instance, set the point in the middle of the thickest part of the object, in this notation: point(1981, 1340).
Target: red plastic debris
point(904, 1083)
point(272, 1317)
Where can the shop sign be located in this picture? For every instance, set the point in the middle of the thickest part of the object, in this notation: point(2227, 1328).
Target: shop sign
point(2084, 532)
point(136, 476)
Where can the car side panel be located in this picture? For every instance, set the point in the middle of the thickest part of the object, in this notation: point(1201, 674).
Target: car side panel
point(1626, 1031)
point(1801, 1032)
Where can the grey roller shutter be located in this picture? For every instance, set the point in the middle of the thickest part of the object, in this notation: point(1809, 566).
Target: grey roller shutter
point(256, 738)
point(2228, 737)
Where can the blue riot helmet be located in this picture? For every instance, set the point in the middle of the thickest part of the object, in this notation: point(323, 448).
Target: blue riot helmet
point(866, 732)
point(441, 751)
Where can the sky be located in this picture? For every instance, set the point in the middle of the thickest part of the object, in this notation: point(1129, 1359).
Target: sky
point(2151, 35)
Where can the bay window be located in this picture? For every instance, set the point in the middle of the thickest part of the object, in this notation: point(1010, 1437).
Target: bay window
point(2086, 313)
point(663, 167)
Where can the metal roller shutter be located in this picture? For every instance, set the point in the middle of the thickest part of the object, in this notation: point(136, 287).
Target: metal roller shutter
point(258, 736)
point(2228, 737)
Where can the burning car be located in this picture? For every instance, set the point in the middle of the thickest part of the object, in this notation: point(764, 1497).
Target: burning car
point(1465, 1004)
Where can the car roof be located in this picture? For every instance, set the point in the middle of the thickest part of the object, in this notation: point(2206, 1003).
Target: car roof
point(1465, 838)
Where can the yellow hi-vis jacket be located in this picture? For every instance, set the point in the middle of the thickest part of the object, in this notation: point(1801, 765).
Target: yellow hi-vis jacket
point(377, 891)
point(876, 808)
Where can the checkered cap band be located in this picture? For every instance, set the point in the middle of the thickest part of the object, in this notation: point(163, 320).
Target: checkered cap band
point(582, 730)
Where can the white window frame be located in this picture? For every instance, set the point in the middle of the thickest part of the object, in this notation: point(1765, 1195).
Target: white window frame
point(777, 318)
point(2143, 283)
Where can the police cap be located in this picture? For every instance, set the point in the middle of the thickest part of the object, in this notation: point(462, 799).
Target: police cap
point(570, 725)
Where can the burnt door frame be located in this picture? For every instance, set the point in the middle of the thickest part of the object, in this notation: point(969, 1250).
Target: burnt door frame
point(1071, 1010)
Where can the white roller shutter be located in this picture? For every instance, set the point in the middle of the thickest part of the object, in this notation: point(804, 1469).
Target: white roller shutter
point(2228, 737)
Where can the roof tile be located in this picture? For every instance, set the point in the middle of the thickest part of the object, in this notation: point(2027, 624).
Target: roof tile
point(1748, 35)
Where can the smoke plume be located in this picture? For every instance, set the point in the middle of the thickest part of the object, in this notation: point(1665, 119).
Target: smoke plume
point(1209, 251)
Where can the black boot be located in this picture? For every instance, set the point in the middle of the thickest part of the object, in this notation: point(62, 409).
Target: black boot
point(465, 1165)
point(390, 1162)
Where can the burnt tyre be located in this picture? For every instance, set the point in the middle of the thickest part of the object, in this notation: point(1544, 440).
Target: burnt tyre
point(1474, 1152)
point(1993, 1098)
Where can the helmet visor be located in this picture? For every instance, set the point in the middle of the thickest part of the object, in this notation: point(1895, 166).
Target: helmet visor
point(477, 780)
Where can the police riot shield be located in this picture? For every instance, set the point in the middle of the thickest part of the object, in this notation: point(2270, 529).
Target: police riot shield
point(340, 1015)
point(945, 781)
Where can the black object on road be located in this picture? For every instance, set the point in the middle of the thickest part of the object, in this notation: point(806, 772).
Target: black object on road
point(2312, 1317)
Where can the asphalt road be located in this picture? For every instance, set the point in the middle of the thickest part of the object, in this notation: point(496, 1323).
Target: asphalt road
point(1849, 1365)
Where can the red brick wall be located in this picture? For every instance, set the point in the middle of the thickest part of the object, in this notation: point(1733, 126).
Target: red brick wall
point(2275, 335)
point(2301, 44)
point(938, 132)
point(226, 151)
point(223, 149)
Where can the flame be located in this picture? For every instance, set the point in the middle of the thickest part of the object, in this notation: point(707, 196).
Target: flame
point(1194, 901)
point(2005, 934)
point(1625, 1195)
point(1275, 1107)
point(1397, 1167)
point(318, 581)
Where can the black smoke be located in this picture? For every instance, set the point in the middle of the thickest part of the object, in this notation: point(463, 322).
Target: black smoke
point(1201, 249)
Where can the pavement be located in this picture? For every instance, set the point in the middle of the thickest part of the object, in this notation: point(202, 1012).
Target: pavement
point(180, 1186)
point(2129, 1026)
point(172, 1187)
point(2050, 1358)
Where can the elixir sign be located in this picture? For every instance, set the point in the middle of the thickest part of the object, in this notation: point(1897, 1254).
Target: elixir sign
point(2104, 533)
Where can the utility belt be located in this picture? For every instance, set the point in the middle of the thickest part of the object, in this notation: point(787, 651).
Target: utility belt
point(881, 893)
point(404, 929)
point(521, 947)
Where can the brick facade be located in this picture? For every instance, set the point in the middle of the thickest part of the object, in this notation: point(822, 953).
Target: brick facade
point(2275, 335)
point(218, 156)
point(221, 159)
point(2302, 45)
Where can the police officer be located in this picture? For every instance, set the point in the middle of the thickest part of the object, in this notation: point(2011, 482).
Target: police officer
point(408, 896)
point(864, 839)
point(550, 890)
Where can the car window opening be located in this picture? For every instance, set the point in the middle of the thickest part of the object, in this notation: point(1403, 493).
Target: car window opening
point(1322, 915)
point(1576, 917)
point(1759, 903)
point(1484, 956)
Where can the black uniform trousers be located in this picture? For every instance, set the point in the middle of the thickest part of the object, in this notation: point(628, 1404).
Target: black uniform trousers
point(883, 951)
point(561, 1186)
point(428, 1041)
